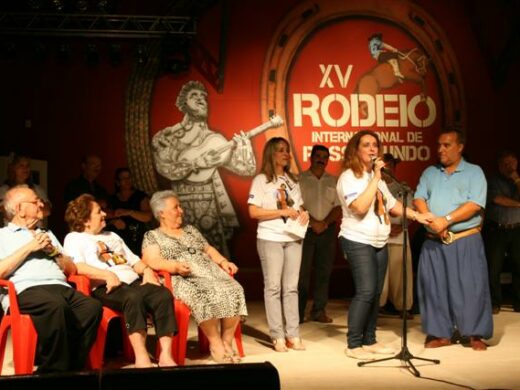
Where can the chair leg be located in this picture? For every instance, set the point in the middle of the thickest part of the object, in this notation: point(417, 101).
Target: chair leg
point(4, 327)
point(238, 341)
point(25, 340)
point(203, 342)
point(182, 315)
point(97, 352)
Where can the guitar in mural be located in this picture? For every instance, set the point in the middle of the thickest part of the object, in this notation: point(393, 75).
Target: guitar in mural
point(395, 66)
point(217, 146)
point(189, 156)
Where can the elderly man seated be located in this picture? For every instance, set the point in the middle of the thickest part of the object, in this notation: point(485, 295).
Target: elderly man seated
point(66, 321)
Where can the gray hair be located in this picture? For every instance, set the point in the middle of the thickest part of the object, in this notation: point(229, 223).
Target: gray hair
point(11, 200)
point(157, 201)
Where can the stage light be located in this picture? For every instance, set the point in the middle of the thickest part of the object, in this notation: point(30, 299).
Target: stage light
point(82, 5)
point(141, 54)
point(58, 5)
point(104, 6)
point(176, 56)
point(34, 5)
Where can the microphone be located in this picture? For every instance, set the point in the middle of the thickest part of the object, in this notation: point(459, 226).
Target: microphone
point(404, 188)
point(383, 169)
point(373, 158)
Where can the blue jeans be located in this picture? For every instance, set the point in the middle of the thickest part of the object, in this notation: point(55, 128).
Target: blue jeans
point(368, 265)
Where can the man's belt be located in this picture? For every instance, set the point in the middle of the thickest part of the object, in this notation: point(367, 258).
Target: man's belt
point(452, 237)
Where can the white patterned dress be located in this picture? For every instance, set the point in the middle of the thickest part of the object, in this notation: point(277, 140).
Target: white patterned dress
point(208, 290)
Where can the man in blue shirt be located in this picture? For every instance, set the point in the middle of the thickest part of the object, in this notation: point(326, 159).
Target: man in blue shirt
point(502, 227)
point(453, 279)
point(66, 321)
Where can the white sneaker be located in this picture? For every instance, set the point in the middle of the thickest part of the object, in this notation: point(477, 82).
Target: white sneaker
point(379, 349)
point(359, 353)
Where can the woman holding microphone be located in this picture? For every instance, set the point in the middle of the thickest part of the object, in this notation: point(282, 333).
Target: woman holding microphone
point(365, 228)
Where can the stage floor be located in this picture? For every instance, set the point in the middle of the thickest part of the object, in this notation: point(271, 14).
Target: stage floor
point(324, 365)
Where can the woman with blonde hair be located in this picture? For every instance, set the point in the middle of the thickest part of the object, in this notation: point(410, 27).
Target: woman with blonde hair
point(365, 227)
point(274, 200)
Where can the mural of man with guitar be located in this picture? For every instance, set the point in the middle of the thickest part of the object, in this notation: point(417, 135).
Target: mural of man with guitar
point(189, 155)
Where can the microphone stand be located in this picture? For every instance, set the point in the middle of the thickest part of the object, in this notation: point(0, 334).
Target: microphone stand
point(404, 354)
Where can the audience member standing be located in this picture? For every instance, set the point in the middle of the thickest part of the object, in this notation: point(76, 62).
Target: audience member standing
point(319, 246)
point(453, 277)
point(19, 173)
point(280, 252)
point(502, 227)
point(86, 183)
point(130, 211)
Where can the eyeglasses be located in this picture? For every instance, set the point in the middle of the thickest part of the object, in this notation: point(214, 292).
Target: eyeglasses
point(37, 201)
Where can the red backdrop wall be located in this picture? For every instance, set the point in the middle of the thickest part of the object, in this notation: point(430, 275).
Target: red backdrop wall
point(76, 109)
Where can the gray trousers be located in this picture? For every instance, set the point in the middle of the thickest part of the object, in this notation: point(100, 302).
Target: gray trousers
point(281, 268)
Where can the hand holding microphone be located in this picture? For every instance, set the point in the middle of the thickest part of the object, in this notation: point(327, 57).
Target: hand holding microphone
point(378, 165)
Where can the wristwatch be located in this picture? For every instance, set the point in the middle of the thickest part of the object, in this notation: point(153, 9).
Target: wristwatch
point(448, 218)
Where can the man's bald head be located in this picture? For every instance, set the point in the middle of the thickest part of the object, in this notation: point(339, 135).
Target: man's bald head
point(18, 199)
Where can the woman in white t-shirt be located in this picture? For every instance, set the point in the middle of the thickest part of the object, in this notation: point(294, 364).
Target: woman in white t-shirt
point(120, 279)
point(365, 227)
point(275, 200)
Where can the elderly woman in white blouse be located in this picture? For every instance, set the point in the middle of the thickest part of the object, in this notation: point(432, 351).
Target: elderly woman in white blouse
point(120, 279)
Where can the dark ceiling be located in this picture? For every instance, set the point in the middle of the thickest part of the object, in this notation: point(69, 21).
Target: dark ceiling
point(495, 23)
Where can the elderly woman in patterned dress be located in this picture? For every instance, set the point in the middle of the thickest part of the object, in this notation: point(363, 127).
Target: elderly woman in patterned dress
point(200, 275)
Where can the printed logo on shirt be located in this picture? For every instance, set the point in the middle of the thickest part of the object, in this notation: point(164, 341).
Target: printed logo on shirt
point(283, 198)
point(350, 195)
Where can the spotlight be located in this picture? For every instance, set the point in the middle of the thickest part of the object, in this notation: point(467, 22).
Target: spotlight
point(82, 5)
point(34, 5)
point(141, 54)
point(104, 6)
point(58, 5)
point(176, 56)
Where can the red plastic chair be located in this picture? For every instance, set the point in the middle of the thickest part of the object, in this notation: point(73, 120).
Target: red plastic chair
point(182, 315)
point(97, 352)
point(23, 334)
point(186, 312)
point(98, 349)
